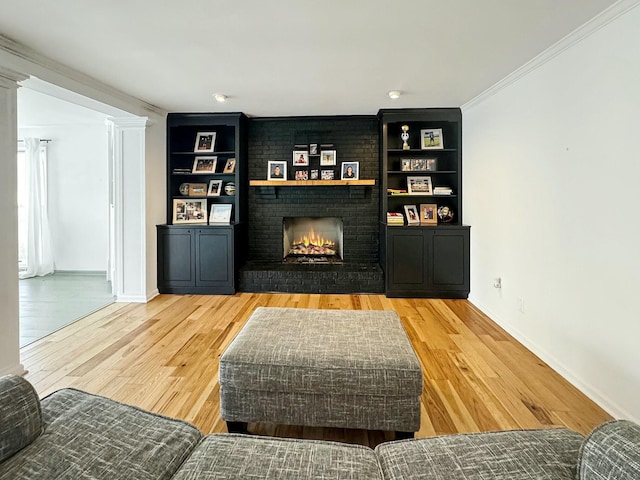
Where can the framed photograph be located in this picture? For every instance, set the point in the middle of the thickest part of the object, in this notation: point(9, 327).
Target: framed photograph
point(300, 158)
point(350, 170)
point(215, 187)
point(411, 211)
point(204, 165)
point(189, 211)
point(419, 186)
point(326, 175)
point(302, 175)
point(327, 158)
point(230, 166)
point(277, 170)
point(313, 175)
point(428, 214)
point(405, 164)
point(313, 149)
point(431, 139)
point(193, 189)
point(432, 164)
point(205, 142)
point(419, 164)
point(220, 213)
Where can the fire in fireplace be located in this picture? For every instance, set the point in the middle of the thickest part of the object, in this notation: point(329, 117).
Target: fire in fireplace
point(312, 239)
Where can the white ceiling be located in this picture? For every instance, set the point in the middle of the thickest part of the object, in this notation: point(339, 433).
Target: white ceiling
point(295, 57)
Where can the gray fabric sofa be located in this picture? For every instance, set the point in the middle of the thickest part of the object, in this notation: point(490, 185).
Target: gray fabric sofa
point(75, 435)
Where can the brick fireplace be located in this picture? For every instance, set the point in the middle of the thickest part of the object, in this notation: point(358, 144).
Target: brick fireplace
point(355, 138)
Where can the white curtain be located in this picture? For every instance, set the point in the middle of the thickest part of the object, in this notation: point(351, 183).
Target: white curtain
point(38, 236)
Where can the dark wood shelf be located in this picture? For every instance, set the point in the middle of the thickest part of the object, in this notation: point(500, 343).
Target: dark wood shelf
point(420, 172)
point(205, 154)
point(309, 183)
point(423, 152)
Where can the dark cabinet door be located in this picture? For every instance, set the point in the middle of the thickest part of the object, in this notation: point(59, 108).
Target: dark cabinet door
point(214, 254)
point(175, 251)
point(407, 269)
point(450, 261)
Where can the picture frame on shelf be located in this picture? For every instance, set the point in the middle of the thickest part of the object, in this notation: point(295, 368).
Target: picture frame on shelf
point(205, 142)
point(431, 139)
point(215, 187)
point(328, 158)
point(300, 158)
point(405, 164)
point(418, 164)
point(428, 214)
point(220, 214)
point(350, 171)
point(277, 170)
point(313, 149)
point(204, 165)
point(193, 189)
point(313, 175)
point(189, 211)
point(411, 212)
point(432, 164)
point(419, 186)
point(230, 166)
point(327, 174)
point(302, 175)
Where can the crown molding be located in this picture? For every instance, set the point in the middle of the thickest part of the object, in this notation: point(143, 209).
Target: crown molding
point(10, 78)
point(596, 23)
point(23, 58)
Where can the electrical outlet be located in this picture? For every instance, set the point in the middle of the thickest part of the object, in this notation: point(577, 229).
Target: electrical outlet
point(497, 282)
point(521, 305)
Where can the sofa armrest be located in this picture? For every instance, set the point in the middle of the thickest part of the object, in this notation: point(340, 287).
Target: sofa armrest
point(20, 415)
point(612, 450)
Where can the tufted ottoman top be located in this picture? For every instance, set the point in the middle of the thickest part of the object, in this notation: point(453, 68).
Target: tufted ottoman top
point(322, 351)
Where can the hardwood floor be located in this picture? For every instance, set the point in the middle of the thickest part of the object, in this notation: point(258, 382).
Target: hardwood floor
point(163, 356)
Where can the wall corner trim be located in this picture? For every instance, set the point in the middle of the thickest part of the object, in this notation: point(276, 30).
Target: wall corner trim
point(596, 23)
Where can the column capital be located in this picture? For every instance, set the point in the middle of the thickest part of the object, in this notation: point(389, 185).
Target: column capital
point(128, 122)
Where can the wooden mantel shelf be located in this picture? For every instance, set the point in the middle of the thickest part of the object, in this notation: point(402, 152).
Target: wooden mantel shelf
point(309, 183)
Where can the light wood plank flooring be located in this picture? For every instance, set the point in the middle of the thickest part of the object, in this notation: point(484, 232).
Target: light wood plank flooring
point(163, 356)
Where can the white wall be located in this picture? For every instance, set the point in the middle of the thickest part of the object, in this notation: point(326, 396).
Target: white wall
point(78, 193)
point(551, 175)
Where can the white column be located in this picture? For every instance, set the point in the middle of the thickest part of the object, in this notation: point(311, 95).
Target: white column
point(10, 313)
point(128, 251)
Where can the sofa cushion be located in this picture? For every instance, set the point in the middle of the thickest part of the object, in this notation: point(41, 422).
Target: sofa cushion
point(612, 450)
point(86, 436)
point(20, 415)
point(512, 455)
point(232, 456)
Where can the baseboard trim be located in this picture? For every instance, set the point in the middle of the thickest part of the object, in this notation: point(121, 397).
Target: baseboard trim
point(590, 391)
point(80, 272)
point(153, 294)
point(131, 299)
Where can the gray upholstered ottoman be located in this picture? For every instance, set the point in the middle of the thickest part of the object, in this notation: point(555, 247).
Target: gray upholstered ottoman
point(329, 368)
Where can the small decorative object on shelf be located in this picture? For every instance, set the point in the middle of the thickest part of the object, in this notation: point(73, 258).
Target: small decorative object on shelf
point(350, 170)
point(442, 191)
point(313, 149)
point(205, 142)
point(412, 214)
point(220, 214)
point(204, 165)
point(193, 189)
point(313, 175)
point(277, 170)
point(230, 166)
point(405, 137)
point(432, 139)
point(432, 164)
point(405, 164)
point(419, 164)
point(445, 214)
point(189, 211)
point(419, 186)
point(215, 186)
point(428, 214)
point(230, 188)
point(397, 191)
point(300, 158)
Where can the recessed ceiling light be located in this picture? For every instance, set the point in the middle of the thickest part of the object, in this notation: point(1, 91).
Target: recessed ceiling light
point(393, 94)
point(220, 97)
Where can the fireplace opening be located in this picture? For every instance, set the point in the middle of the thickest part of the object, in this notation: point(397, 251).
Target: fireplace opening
point(312, 239)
